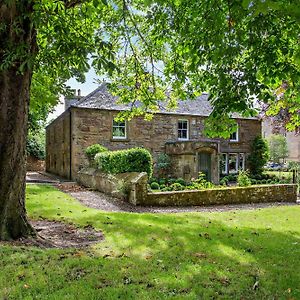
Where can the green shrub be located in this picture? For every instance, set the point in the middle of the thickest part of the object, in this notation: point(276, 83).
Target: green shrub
point(263, 181)
point(163, 162)
point(154, 186)
point(181, 181)
point(171, 181)
point(176, 187)
point(259, 155)
point(153, 179)
point(231, 177)
point(224, 181)
point(200, 183)
point(121, 161)
point(35, 146)
point(243, 178)
point(162, 186)
point(253, 181)
point(162, 181)
point(92, 150)
point(293, 165)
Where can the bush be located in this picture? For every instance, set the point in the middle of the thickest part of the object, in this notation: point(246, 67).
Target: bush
point(35, 145)
point(162, 181)
point(92, 150)
point(243, 178)
point(259, 155)
point(154, 186)
point(231, 177)
point(122, 161)
point(200, 183)
point(181, 181)
point(224, 181)
point(176, 187)
point(293, 165)
point(163, 162)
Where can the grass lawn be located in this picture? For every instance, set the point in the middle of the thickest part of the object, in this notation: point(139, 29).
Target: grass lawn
point(158, 256)
point(281, 174)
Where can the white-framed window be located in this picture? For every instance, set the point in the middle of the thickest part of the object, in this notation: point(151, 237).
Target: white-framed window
point(233, 166)
point(224, 163)
point(241, 161)
point(231, 163)
point(119, 130)
point(234, 137)
point(183, 130)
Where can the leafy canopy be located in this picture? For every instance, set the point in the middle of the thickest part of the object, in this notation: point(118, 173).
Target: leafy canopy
point(238, 51)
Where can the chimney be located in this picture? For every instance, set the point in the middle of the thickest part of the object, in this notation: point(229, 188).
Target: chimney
point(79, 92)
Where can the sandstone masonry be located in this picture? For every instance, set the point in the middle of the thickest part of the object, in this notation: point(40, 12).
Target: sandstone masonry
point(80, 126)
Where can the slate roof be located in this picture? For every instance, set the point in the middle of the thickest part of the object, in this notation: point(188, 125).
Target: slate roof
point(101, 98)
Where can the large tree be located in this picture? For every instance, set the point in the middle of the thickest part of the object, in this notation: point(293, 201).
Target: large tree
point(50, 39)
point(164, 49)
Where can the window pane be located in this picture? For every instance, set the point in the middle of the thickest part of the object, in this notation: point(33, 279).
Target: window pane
point(119, 129)
point(232, 163)
point(241, 161)
point(233, 136)
point(223, 163)
point(183, 129)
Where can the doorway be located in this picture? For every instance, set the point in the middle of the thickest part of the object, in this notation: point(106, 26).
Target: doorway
point(204, 164)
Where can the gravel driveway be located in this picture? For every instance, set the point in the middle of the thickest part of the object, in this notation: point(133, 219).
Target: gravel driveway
point(105, 202)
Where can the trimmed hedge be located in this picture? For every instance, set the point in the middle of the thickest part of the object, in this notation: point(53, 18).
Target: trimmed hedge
point(122, 161)
point(92, 150)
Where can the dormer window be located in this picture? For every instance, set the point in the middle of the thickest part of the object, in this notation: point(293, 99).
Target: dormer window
point(234, 137)
point(183, 130)
point(119, 130)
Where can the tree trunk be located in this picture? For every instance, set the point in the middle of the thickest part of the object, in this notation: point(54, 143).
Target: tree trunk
point(17, 40)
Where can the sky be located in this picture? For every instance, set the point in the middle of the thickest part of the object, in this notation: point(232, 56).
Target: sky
point(86, 88)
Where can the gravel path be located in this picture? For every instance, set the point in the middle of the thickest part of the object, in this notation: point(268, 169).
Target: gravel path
point(105, 202)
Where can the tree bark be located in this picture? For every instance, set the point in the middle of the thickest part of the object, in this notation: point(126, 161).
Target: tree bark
point(18, 39)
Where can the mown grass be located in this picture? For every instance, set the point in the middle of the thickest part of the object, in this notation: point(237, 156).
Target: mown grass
point(281, 174)
point(158, 256)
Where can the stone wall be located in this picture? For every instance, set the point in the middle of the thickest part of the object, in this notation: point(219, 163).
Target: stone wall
point(91, 126)
point(58, 146)
point(34, 164)
point(133, 188)
point(70, 134)
point(233, 195)
point(127, 186)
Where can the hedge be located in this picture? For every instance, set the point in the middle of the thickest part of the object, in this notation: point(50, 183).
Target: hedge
point(121, 161)
point(92, 150)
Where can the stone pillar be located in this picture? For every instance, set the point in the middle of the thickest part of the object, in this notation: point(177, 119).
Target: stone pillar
point(139, 190)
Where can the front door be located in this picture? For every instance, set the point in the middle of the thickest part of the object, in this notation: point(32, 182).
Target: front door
point(205, 164)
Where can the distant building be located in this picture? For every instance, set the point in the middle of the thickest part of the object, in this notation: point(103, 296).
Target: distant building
point(272, 126)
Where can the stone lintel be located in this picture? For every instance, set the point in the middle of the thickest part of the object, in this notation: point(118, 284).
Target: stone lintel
point(191, 147)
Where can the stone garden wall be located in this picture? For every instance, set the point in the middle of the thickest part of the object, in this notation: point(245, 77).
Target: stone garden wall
point(127, 186)
point(133, 188)
point(230, 195)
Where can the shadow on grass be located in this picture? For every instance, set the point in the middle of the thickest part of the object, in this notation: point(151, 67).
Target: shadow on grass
point(148, 256)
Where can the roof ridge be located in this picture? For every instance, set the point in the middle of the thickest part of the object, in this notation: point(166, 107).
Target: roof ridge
point(91, 93)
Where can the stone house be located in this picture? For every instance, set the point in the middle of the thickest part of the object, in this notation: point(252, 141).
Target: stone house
point(272, 125)
point(178, 133)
